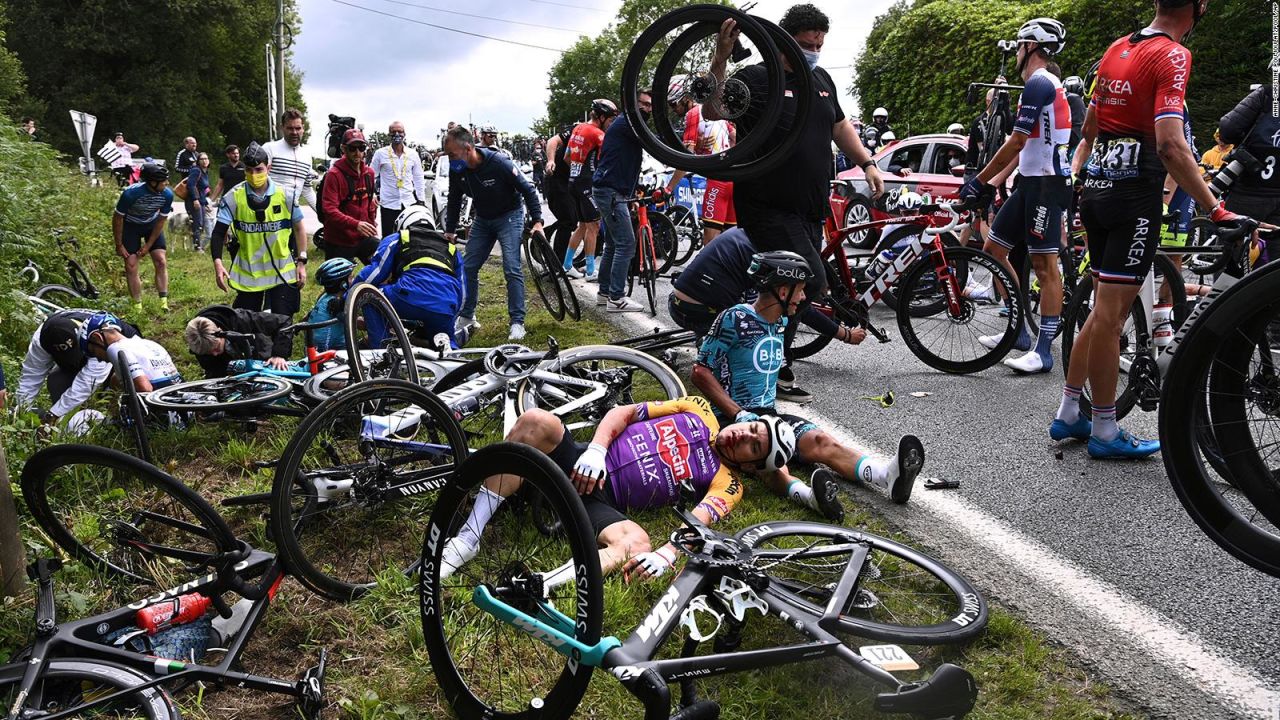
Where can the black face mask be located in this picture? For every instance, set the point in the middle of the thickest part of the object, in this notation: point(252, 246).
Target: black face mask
point(646, 114)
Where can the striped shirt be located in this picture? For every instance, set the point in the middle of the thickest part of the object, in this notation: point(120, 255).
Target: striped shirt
point(290, 166)
point(141, 206)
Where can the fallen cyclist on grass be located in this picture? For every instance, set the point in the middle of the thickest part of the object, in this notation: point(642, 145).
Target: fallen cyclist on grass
point(638, 459)
point(737, 369)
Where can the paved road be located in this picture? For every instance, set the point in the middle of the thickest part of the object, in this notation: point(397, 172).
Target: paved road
point(1099, 555)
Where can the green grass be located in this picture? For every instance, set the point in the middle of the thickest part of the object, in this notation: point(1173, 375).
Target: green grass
point(378, 665)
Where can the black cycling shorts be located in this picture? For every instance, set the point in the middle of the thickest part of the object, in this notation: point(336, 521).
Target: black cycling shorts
point(587, 210)
point(600, 508)
point(1033, 215)
point(1122, 220)
point(134, 235)
point(563, 205)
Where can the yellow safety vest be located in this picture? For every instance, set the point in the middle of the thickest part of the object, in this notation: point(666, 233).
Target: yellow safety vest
point(263, 259)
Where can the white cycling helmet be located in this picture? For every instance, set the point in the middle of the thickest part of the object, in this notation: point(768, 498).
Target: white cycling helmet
point(880, 112)
point(413, 215)
point(678, 89)
point(956, 129)
point(1049, 33)
point(906, 200)
point(782, 443)
point(888, 137)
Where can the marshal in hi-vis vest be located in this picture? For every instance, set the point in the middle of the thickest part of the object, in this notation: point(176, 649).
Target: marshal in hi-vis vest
point(422, 247)
point(262, 259)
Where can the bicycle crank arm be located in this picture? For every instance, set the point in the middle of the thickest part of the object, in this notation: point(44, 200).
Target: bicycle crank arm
point(552, 635)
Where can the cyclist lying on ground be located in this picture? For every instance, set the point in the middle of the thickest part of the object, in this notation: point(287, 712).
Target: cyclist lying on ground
point(639, 457)
point(334, 275)
point(148, 363)
point(54, 358)
point(737, 369)
point(214, 352)
point(421, 273)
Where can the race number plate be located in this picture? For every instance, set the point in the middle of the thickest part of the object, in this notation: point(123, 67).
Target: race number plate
point(888, 657)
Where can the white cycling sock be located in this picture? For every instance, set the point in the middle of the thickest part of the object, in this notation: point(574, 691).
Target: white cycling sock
point(1069, 410)
point(801, 494)
point(877, 471)
point(487, 503)
point(1104, 423)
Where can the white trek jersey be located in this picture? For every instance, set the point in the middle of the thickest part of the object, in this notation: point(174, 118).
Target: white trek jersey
point(146, 357)
point(1045, 117)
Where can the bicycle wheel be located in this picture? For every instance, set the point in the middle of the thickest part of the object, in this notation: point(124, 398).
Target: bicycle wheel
point(629, 376)
point(572, 308)
point(70, 683)
point(373, 324)
point(688, 232)
point(544, 280)
point(356, 482)
point(133, 414)
point(837, 304)
point(487, 667)
point(60, 295)
point(902, 595)
point(950, 341)
point(122, 516)
point(648, 272)
point(1220, 354)
point(666, 242)
point(903, 235)
point(227, 393)
point(1135, 336)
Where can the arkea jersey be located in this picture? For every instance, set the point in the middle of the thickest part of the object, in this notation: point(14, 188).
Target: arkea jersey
point(1044, 116)
point(1143, 78)
point(583, 154)
point(146, 358)
point(669, 443)
point(707, 137)
point(744, 351)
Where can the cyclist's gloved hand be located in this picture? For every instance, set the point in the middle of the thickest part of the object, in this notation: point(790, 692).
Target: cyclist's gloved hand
point(588, 472)
point(650, 565)
point(976, 189)
point(1222, 216)
point(745, 416)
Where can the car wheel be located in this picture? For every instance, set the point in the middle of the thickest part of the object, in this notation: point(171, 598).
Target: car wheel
point(857, 213)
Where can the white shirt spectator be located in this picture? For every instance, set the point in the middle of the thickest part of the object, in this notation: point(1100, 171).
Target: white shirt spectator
point(291, 170)
point(399, 177)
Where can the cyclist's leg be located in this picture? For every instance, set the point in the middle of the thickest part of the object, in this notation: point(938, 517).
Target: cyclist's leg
point(693, 317)
point(589, 214)
point(160, 262)
point(1044, 203)
point(132, 238)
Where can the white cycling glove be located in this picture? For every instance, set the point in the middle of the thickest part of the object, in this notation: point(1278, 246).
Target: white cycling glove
point(745, 416)
point(658, 562)
point(591, 463)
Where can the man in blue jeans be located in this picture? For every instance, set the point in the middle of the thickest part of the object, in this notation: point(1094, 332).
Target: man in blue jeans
point(613, 184)
point(496, 187)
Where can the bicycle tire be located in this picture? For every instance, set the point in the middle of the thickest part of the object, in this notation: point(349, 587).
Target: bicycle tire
point(890, 296)
point(808, 343)
point(665, 241)
point(957, 611)
point(544, 279)
point(446, 606)
point(621, 392)
point(104, 520)
point(60, 295)
point(340, 557)
point(394, 363)
point(1221, 520)
point(80, 280)
point(1073, 321)
point(264, 389)
point(965, 263)
point(65, 681)
point(572, 307)
point(687, 227)
point(133, 413)
point(648, 273)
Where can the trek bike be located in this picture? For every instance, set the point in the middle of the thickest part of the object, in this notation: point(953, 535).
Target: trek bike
point(946, 294)
point(136, 525)
point(539, 598)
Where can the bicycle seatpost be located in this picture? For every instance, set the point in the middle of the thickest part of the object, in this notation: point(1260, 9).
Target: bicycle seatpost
point(42, 571)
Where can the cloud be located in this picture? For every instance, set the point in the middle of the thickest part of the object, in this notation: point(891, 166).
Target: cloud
point(379, 68)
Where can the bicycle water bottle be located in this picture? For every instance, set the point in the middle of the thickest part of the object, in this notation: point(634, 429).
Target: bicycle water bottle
point(178, 611)
point(879, 263)
point(1162, 325)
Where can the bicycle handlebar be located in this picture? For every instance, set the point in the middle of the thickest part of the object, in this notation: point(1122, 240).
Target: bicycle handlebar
point(304, 326)
point(945, 207)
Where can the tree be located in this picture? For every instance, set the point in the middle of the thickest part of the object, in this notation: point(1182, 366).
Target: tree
point(12, 81)
point(901, 67)
point(157, 71)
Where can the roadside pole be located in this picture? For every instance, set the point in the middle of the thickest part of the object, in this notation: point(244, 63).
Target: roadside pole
point(13, 560)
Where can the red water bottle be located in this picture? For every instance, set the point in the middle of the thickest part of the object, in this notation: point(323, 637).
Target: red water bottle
point(178, 611)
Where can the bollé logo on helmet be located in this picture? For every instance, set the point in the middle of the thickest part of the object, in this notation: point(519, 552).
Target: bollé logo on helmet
point(791, 273)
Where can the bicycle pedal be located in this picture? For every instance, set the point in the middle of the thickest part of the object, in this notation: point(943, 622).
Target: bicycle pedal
point(311, 688)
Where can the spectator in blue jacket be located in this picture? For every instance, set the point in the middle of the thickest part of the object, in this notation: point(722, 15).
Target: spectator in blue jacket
point(613, 184)
point(198, 195)
point(496, 187)
point(420, 271)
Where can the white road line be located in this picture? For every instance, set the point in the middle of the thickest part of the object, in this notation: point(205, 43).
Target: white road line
point(1178, 649)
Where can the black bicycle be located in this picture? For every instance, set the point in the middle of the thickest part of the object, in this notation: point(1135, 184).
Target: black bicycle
point(130, 521)
point(516, 631)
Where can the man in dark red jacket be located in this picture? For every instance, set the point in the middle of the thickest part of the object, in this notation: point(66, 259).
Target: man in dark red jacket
point(349, 204)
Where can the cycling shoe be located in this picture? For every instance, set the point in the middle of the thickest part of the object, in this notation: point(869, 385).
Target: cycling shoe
point(1081, 429)
point(1029, 364)
point(1124, 446)
point(910, 460)
point(826, 488)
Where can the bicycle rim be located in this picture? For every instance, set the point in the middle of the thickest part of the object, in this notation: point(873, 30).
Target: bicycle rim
point(487, 667)
point(902, 595)
point(356, 482)
point(947, 341)
point(122, 516)
point(544, 280)
point(380, 330)
point(220, 393)
point(70, 683)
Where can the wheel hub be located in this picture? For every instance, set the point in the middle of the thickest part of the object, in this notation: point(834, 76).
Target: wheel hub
point(1264, 391)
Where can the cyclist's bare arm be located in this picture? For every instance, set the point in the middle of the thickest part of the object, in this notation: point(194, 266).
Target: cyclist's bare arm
point(142, 384)
point(1171, 144)
point(719, 66)
point(711, 389)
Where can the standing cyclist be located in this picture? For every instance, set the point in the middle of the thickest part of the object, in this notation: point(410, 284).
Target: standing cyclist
point(1133, 134)
point(583, 155)
point(138, 228)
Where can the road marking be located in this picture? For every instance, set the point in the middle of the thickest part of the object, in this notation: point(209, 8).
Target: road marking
point(1181, 651)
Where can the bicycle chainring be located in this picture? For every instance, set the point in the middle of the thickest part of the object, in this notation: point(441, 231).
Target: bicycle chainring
point(715, 551)
point(1144, 378)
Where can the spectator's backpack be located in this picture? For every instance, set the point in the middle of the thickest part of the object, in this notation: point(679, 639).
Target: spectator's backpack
point(351, 193)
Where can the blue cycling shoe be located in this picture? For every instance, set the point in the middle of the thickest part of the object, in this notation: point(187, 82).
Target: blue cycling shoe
point(1124, 446)
point(1081, 429)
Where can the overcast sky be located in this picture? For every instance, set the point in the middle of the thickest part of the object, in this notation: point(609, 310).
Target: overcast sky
point(379, 68)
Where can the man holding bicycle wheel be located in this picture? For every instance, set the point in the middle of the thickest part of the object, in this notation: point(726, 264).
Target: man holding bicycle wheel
point(1032, 216)
point(641, 457)
point(1133, 135)
point(785, 210)
point(737, 369)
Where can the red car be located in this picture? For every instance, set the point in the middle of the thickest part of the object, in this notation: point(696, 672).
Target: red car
point(926, 164)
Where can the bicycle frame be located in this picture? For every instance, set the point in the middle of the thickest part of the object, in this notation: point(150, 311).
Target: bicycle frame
point(77, 640)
